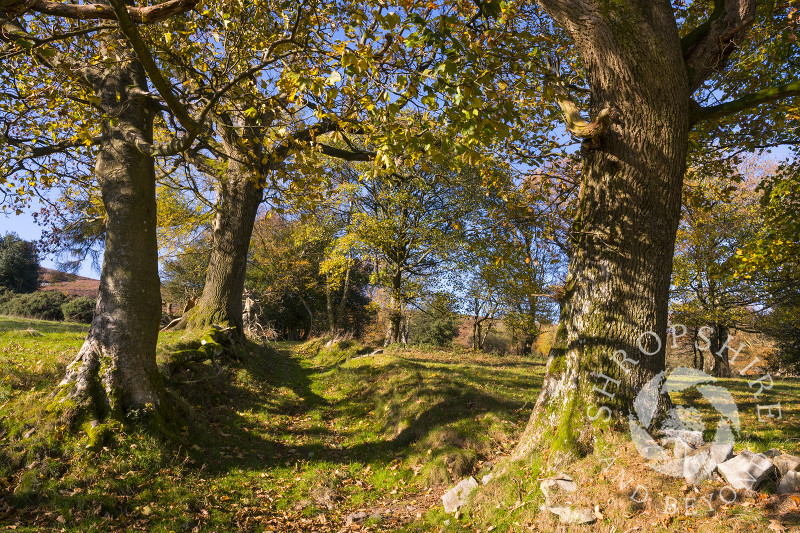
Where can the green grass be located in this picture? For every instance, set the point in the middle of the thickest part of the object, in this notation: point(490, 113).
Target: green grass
point(297, 436)
point(289, 436)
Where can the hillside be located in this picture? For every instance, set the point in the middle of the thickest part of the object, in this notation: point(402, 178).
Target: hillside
point(69, 284)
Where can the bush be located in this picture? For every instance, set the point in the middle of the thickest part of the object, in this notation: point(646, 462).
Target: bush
point(45, 305)
point(79, 310)
point(437, 325)
point(19, 265)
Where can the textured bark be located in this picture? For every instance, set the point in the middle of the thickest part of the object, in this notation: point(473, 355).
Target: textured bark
point(239, 197)
point(115, 370)
point(394, 332)
point(624, 232)
point(719, 351)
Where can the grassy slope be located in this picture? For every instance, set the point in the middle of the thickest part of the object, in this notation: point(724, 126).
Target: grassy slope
point(296, 436)
point(287, 437)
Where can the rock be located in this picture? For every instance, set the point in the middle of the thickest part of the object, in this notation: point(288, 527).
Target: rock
point(746, 471)
point(698, 467)
point(789, 483)
point(574, 515)
point(786, 463)
point(360, 517)
point(721, 451)
point(560, 483)
point(487, 478)
point(772, 452)
point(454, 498)
point(693, 438)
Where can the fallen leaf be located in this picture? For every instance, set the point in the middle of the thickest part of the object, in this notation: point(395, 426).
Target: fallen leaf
point(774, 525)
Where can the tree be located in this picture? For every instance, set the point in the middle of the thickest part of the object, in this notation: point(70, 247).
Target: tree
point(643, 72)
point(290, 284)
point(409, 223)
point(115, 370)
point(772, 256)
point(19, 264)
point(719, 218)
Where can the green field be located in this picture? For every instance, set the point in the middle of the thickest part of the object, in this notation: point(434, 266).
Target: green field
point(297, 437)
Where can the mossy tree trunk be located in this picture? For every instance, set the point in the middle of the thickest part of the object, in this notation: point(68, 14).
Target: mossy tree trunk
point(719, 351)
point(394, 332)
point(624, 232)
point(239, 195)
point(115, 370)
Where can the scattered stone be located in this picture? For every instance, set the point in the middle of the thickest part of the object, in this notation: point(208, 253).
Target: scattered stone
point(693, 438)
point(786, 463)
point(721, 451)
point(360, 517)
point(28, 433)
point(698, 467)
point(454, 498)
point(789, 483)
point(747, 470)
point(487, 478)
point(574, 515)
point(561, 483)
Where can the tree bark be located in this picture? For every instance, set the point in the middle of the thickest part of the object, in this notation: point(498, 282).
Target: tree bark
point(240, 194)
point(115, 371)
point(394, 331)
point(719, 351)
point(624, 231)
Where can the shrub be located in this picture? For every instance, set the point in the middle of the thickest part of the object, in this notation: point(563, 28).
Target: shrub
point(437, 325)
point(79, 310)
point(45, 305)
point(19, 265)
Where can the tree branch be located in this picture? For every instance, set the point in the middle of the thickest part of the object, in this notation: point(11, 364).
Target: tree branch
point(572, 116)
point(707, 48)
point(140, 15)
point(128, 27)
point(765, 96)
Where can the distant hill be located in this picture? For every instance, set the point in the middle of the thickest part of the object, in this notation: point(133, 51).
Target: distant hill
point(69, 284)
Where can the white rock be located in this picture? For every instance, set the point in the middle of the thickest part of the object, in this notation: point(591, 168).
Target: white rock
point(693, 438)
point(574, 515)
point(747, 470)
point(698, 467)
point(789, 483)
point(454, 498)
point(785, 463)
point(559, 483)
point(487, 478)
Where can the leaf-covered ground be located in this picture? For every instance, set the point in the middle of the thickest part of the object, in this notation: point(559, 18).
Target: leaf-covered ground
point(297, 437)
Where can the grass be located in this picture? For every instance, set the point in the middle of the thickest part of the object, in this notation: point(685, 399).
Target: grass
point(298, 436)
point(291, 436)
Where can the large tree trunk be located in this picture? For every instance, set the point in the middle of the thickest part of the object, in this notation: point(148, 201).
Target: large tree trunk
point(115, 370)
point(240, 194)
point(624, 232)
point(394, 332)
point(719, 351)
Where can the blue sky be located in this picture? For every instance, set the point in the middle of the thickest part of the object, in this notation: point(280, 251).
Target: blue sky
point(24, 226)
